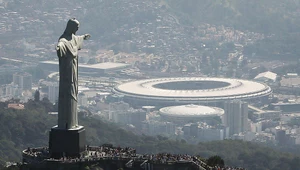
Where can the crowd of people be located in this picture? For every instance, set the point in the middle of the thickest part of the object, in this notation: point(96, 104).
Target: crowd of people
point(108, 152)
point(166, 157)
point(93, 153)
point(163, 158)
point(36, 154)
point(227, 168)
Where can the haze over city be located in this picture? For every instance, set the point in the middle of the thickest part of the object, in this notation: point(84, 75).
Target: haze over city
point(195, 84)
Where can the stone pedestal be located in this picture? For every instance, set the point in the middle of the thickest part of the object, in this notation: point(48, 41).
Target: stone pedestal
point(67, 143)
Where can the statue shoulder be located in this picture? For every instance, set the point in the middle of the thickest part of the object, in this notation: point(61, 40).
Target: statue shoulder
point(61, 48)
point(61, 43)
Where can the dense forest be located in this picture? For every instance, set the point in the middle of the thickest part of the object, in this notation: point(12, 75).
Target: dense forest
point(30, 127)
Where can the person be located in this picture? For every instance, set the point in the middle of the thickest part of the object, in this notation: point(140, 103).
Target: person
point(67, 51)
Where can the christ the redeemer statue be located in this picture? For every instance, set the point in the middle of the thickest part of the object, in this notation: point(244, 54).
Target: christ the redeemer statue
point(67, 51)
point(67, 139)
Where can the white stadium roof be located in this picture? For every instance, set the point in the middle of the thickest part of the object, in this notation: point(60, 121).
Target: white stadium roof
point(231, 89)
point(191, 111)
point(266, 75)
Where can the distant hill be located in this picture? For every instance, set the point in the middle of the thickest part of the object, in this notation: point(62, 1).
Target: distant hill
point(20, 129)
point(267, 16)
point(278, 20)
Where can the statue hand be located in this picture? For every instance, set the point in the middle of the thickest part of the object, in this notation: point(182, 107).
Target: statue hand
point(87, 36)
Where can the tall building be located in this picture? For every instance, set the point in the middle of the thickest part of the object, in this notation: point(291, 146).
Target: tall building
point(204, 132)
point(82, 99)
point(53, 90)
point(158, 128)
point(12, 90)
point(244, 117)
point(2, 90)
point(116, 109)
point(23, 80)
point(236, 116)
point(120, 112)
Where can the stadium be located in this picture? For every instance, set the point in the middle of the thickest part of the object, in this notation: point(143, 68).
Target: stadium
point(189, 113)
point(190, 90)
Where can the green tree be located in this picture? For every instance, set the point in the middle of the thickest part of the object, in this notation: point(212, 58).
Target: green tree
point(37, 96)
point(215, 161)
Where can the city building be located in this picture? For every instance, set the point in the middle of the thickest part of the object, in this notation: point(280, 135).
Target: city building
point(281, 135)
point(266, 114)
point(236, 116)
point(16, 106)
point(267, 77)
point(53, 90)
point(245, 136)
point(23, 80)
point(291, 75)
point(2, 90)
point(116, 109)
point(12, 90)
point(82, 99)
point(288, 107)
point(158, 128)
point(204, 132)
point(120, 112)
point(136, 117)
point(256, 127)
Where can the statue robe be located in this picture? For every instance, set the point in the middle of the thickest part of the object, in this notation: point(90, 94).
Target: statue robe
point(67, 52)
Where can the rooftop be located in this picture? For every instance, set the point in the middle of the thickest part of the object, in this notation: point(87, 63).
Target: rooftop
point(269, 75)
point(191, 111)
point(199, 88)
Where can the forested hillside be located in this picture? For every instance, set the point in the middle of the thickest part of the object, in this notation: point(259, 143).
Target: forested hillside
point(20, 129)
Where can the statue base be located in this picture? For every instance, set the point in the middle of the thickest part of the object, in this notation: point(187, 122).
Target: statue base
point(67, 142)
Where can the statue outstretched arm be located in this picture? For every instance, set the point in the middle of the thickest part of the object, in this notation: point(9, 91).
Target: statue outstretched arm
point(86, 36)
point(79, 40)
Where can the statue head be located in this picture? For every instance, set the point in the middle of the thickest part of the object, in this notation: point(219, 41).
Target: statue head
point(72, 26)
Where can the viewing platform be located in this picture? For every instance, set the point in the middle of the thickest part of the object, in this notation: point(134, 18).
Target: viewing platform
point(109, 157)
